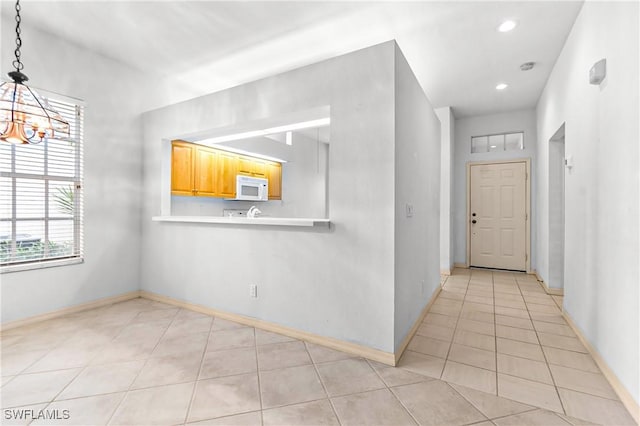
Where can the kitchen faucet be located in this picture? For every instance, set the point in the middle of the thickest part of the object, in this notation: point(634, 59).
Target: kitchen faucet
point(253, 212)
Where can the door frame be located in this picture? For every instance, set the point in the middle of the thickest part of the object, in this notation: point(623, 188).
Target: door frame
point(527, 196)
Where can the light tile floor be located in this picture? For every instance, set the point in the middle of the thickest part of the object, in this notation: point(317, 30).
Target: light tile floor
point(493, 349)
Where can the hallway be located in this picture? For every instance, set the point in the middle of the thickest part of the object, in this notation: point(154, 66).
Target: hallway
point(500, 333)
point(143, 362)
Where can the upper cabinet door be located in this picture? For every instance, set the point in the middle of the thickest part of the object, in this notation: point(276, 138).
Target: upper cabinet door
point(245, 166)
point(226, 171)
point(274, 175)
point(252, 167)
point(182, 158)
point(259, 168)
point(205, 172)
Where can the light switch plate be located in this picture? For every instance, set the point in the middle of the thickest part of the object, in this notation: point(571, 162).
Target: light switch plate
point(568, 161)
point(409, 210)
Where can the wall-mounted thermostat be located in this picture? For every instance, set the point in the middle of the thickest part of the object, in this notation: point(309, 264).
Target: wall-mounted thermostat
point(598, 72)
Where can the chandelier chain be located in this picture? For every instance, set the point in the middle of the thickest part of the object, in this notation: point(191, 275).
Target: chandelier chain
point(17, 63)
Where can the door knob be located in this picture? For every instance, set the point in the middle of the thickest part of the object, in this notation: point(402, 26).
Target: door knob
point(473, 221)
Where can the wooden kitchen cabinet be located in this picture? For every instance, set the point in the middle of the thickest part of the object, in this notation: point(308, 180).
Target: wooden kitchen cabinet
point(208, 172)
point(245, 166)
point(274, 176)
point(205, 178)
point(226, 171)
point(182, 158)
point(259, 169)
point(193, 170)
point(252, 167)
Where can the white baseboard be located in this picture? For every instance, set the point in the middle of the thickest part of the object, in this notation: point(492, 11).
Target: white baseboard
point(627, 400)
point(416, 325)
point(547, 289)
point(445, 272)
point(339, 345)
point(70, 310)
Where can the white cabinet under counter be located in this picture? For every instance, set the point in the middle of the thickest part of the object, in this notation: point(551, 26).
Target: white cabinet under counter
point(263, 221)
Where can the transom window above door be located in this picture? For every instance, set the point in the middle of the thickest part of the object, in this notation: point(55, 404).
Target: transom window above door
point(513, 141)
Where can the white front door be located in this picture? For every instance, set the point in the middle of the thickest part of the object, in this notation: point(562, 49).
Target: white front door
point(498, 219)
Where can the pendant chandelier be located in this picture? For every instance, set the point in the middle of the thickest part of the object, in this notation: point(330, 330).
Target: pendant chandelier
point(25, 116)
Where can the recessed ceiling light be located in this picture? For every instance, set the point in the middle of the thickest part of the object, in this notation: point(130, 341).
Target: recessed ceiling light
point(507, 26)
point(501, 86)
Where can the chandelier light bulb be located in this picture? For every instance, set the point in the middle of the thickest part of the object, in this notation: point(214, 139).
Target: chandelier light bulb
point(25, 116)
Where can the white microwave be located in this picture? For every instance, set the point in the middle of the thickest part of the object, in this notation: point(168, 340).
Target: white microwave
point(251, 188)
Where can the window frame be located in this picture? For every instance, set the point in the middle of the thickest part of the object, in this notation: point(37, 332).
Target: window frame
point(77, 181)
point(504, 142)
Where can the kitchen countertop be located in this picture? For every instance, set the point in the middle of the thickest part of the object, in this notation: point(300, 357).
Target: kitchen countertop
point(268, 221)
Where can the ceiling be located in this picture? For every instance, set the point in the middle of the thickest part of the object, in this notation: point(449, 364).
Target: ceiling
point(205, 46)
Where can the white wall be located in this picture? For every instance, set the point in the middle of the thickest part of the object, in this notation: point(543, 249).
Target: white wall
point(304, 181)
point(114, 95)
point(465, 128)
point(602, 190)
point(447, 237)
point(417, 183)
point(335, 282)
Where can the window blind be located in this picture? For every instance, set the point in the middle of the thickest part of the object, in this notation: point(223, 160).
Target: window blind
point(41, 195)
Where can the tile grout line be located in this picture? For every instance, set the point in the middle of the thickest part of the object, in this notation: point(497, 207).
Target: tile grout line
point(83, 369)
point(11, 379)
point(62, 341)
point(469, 401)
point(455, 330)
point(22, 372)
point(146, 361)
point(553, 380)
point(515, 284)
point(277, 407)
point(508, 374)
point(534, 408)
point(226, 416)
point(312, 400)
point(255, 348)
point(315, 367)
point(328, 397)
point(404, 406)
point(389, 388)
point(195, 384)
point(36, 361)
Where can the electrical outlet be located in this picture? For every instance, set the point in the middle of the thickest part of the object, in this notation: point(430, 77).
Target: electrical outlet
point(253, 290)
